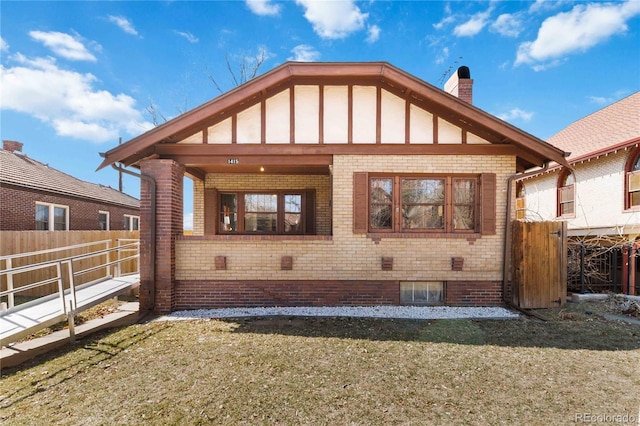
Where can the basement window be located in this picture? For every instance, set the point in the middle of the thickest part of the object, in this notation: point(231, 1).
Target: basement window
point(421, 292)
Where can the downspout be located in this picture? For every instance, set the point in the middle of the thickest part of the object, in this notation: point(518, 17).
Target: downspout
point(506, 253)
point(152, 228)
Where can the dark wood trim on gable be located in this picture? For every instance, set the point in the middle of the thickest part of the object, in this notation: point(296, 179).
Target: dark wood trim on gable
point(321, 114)
point(407, 122)
point(292, 115)
point(378, 114)
point(350, 114)
point(234, 128)
point(380, 74)
point(263, 121)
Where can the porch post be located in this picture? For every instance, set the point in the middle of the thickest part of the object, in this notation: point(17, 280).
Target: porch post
point(168, 176)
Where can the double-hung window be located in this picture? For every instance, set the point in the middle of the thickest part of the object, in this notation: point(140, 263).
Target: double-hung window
point(423, 203)
point(566, 195)
point(103, 221)
point(52, 217)
point(131, 223)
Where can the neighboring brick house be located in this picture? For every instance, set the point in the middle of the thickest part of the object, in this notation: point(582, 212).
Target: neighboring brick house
point(329, 184)
point(34, 196)
point(600, 198)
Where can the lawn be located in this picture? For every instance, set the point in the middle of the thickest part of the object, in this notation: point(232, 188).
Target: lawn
point(337, 371)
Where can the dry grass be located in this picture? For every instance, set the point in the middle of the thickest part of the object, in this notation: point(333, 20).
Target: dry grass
point(337, 371)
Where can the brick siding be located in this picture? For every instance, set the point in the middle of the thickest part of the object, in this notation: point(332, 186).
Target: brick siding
point(18, 210)
point(253, 275)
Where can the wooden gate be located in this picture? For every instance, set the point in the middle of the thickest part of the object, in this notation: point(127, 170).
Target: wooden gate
point(539, 264)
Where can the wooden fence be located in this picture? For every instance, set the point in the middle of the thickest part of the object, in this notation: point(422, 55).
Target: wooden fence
point(16, 242)
point(539, 264)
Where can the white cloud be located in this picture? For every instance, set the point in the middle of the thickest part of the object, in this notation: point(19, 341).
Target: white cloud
point(304, 53)
point(187, 221)
point(333, 19)
point(515, 114)
point(509, 25)
point(187, 35)
point(474, 25)
point(68, 101)
point(374, 34)
point(444, 22)
point(442, 56)
point(576, 31)
point(544, 5)
point(63, 45)
point(263, 7)
point(4, 46)
point(124, 24)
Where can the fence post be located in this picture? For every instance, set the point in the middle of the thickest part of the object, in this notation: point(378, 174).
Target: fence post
point(582, 252)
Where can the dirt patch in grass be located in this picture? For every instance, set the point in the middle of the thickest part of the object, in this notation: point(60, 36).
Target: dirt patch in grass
point(326, 371)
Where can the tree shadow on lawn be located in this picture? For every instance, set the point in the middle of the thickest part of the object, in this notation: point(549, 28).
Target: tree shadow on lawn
point(594, 333)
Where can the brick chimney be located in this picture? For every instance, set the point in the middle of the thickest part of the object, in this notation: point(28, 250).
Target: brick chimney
point(460, 84)
point(12, 146)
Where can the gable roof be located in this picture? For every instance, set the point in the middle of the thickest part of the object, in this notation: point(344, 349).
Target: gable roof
point(530, 151)
point(20, 170)
point(611, 128)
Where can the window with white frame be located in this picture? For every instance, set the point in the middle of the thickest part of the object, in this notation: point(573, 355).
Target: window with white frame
point(52, 217)
point(131, 223)
point(103, 220)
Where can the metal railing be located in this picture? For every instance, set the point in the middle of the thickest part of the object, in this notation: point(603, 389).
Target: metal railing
point(123, 249)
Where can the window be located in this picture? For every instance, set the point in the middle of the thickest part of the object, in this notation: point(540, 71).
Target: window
point(52, 217)
point(131, 223)
point(421, 293)
point(423, 203)
point(632, 181)
point(269, 212)
point(566, 194)
point(103, 221)
point(521, 207)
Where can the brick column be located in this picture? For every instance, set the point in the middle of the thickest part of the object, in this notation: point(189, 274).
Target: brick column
point(168, 176)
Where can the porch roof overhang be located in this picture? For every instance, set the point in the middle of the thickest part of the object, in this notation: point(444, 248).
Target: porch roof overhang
point(161, 142)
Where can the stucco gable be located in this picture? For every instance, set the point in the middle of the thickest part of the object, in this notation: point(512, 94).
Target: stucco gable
point(304, 103)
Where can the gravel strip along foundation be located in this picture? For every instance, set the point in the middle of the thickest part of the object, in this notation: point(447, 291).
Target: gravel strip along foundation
point(404, 312)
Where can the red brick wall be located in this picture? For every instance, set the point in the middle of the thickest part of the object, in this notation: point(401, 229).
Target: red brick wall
point(18, 210)
point(474, 293)
point(168, 176)
point(224, 294)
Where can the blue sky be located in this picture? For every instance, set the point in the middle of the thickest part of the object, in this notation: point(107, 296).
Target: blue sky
point(76, 76)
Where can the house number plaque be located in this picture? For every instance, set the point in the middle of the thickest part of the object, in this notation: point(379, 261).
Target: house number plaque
point(233, 161)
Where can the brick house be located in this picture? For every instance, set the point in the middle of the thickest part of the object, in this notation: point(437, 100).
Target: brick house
point(329, 184)
point(600, 198)
point(34, 196)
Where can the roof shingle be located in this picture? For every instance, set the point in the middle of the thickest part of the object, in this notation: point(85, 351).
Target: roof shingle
point(18, 169)
point(609, 126)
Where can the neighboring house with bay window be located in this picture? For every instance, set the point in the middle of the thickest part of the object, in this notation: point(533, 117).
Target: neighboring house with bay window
point(330, 184)
point(599, 197)
point(34, 196)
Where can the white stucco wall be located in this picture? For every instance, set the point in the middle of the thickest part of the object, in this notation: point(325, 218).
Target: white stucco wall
point(599, 190)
